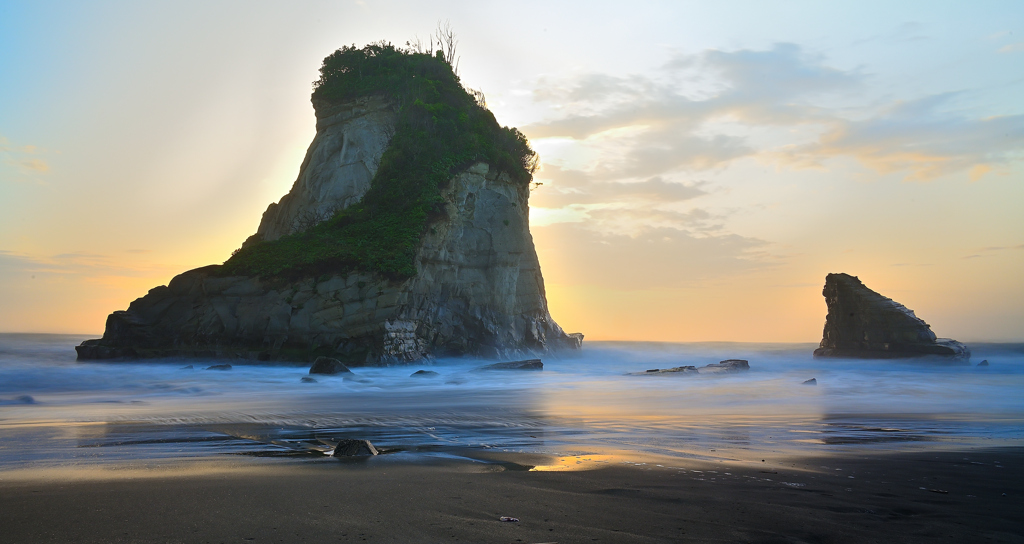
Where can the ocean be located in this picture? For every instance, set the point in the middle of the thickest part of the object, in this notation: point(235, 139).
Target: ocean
point(584, 407)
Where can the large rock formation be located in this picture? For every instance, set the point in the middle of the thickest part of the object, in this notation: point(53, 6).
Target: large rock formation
point(477, 287)
point(863, 324)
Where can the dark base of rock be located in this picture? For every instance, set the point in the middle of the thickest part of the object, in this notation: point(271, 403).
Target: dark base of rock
point(354, 448)
point(949, 350)
point(328, 366)
point(528, 364)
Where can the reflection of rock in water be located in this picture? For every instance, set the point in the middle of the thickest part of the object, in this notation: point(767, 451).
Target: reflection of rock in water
point(863, 324)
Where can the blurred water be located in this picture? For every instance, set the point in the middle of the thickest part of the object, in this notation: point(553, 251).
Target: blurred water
point(56, 411)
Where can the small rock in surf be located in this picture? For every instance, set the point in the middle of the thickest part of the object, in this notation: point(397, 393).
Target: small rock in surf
point(329, 366)
point(528, 364)
point(224, 366)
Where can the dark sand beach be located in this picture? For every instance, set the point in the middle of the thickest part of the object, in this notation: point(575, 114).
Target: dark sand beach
point(967, 496)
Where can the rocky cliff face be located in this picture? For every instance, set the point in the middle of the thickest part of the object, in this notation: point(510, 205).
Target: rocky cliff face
point(863, 324)
point(338, 167)
point(478, 287)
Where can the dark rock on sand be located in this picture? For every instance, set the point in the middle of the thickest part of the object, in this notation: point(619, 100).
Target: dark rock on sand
point(528, 364)
point(983, 363)
point(307, 379)
point(863, 324)
point(721, 367)
point(224, 366)
point(812, 381)
point(354, 448)
point(424, 374)
point(329, 366)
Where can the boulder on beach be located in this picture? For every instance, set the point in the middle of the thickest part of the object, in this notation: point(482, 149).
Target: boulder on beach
point(328, 366)
point(863, 324)
point(528, 364)
point(354, 448)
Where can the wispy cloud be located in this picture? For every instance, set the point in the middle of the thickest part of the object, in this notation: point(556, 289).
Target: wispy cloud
point(79, 265)
point(654, 258)
point(23, 158)
point(671, 122)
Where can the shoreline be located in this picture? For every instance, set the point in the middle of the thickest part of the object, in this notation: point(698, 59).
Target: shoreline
point(849, 497)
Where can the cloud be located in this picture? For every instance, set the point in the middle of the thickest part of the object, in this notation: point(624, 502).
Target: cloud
point(1012, 47)
point(77, 265)
point(22, 157)
point(917, 137)
point(568, 187)
point(700, 112)
point(656, 258)
point(35, 164)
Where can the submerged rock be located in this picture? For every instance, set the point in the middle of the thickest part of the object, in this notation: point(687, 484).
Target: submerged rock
point(528, 364)
point(812, 381)
point(728, 365)
point(721, 367)
point(224, 366)
point(187, 367)
point(307, 379)
point(864, 324)
point(983, 363)
point(329, 366)
point(354, 448)
point(424, 374)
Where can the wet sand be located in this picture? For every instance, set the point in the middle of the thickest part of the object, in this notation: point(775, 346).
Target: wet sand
point(973, 496)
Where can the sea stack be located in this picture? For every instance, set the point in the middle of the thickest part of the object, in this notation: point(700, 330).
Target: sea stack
point(406, 235)
point(866, 325)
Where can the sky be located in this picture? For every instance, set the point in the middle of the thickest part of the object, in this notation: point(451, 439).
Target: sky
point(703, 165)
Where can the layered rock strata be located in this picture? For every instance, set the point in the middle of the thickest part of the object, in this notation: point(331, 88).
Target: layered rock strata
point(478, 287)
point(864, 324)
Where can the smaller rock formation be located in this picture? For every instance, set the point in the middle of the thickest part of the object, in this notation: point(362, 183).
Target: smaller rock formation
point(329, 366)
point(865, 325)
point(354, 448)
point(983, 363)
point(812, 381)
point(727, 366)
point(219, 367)
point(528, 364)
point(424, 374)
point(307, 379)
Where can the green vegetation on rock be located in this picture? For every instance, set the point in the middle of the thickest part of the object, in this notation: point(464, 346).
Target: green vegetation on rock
point(441, 130)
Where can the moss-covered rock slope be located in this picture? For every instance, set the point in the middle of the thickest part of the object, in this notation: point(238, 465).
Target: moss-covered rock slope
point(405, 236)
